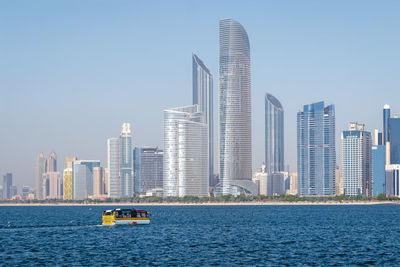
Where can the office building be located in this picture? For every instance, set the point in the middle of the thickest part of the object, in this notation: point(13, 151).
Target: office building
point(126, 161)
point(51, 163)
point(40, 169)
point(378, 138)
point(7, 186)
point(386, 117)
point(82, 174)
point(185, 153)
point(392, 180)
point(98, 181)
point(394, 138)
point(338, 182)
point(293, 188)
point(357, 161)
point(113, 154)
point(148, 169)
point(235, 147)
point(378, 169)
point(203, 96)
point(316, 155)
point(25, 191)
point(260, 178)
point(67, 184)
point(51, 185)
point(274, 135)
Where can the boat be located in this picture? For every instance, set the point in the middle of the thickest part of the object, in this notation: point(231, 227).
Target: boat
point(125, 217)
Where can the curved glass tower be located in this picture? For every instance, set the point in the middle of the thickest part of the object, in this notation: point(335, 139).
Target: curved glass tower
point(203, 96)
point(274, 145)
point(234, 106)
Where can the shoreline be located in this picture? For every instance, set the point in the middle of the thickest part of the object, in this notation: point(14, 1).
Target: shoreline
point(269, 203)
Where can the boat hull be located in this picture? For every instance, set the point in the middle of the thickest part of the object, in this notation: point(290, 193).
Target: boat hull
point(125, 221)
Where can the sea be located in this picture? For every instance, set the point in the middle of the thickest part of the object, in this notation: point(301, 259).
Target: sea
point(317, 235)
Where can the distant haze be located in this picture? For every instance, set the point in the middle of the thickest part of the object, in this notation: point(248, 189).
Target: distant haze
point(71, 72)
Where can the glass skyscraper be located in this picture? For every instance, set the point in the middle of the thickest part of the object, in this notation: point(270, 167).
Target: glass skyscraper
point(203, 96)
point(316, 155)
point(114, 179)
point(40, 169)
point(235, 151)
point(148, 166)
point(356, 161)
point(394, 138)
point(274, 136)
point(185, 152)
point(378, 169)
point(82, 175)
point(7, 184)
point(386, 116)
point(126, 161)
point(393, 180)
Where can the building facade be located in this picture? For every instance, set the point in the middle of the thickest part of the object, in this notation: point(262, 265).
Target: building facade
point(7, 186)
point(67, 184)
point(235, 147)
point(316, 154)
point(40, 169)
point(148, 169)
point(378, 169)
point(393, 180)
point(98, 181)
point(114, 179)
point(82, 173)
point(386, 117)
point(394, 138)
point(126, 161)
point(274, 135)
point(203, 96)
point(52, 185)
point(185, 167)
point(357, 161)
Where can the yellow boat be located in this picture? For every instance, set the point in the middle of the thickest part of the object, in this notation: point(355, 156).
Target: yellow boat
point(125, 217)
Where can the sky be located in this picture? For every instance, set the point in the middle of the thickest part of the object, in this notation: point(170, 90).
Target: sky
point(71, 72)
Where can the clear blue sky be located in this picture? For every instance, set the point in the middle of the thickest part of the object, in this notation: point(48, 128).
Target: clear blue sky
point(71, 72)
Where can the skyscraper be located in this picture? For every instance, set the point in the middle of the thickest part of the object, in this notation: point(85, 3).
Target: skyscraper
point(51, 164)
point(378, 169)
point(7, 184)
point(316, 156)
point(51, 185)
point(114, 178)
point(203, 96)
point(394, 138)
point(67, 178)
point(393, 180)
point(274, 136)
point(357, 161)
point(148, 166)
point(386, 117)
point(126, 161)
point(98, 181)
point(40, 169)
point(235, 154)
point(83, 178)
point(185, 153)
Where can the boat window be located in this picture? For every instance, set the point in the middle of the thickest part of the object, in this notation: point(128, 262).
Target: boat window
point(107, 212)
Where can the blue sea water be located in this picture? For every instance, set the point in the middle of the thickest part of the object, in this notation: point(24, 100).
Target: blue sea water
point(203, 236)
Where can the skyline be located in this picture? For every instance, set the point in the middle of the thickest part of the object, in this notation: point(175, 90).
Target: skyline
point(37, 80)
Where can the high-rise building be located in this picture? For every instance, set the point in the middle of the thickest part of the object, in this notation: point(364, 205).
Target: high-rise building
point(338, 182)
point(394, 138)
point(51, 185)
point(316, 156)
point(378, 138)
point(393, 180)
point(82, 174)
point(98, 181)
point(293, 184)
point(203, 96)
point(106, 180)
point(67, 178)
point(67, 184)
point(148, 166)
point(185, 152)
point(378, 169)
point(274, 136)
point(386, 117)
point(7, 186)
point(40, 169)
point(126, 161)
point(51, 164)
point(114, 178)
point(357, 161)
point(235, 147)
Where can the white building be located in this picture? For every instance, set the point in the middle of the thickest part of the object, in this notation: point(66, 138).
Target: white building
point(114, 178)
point(185, 167)
point(393, 180)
